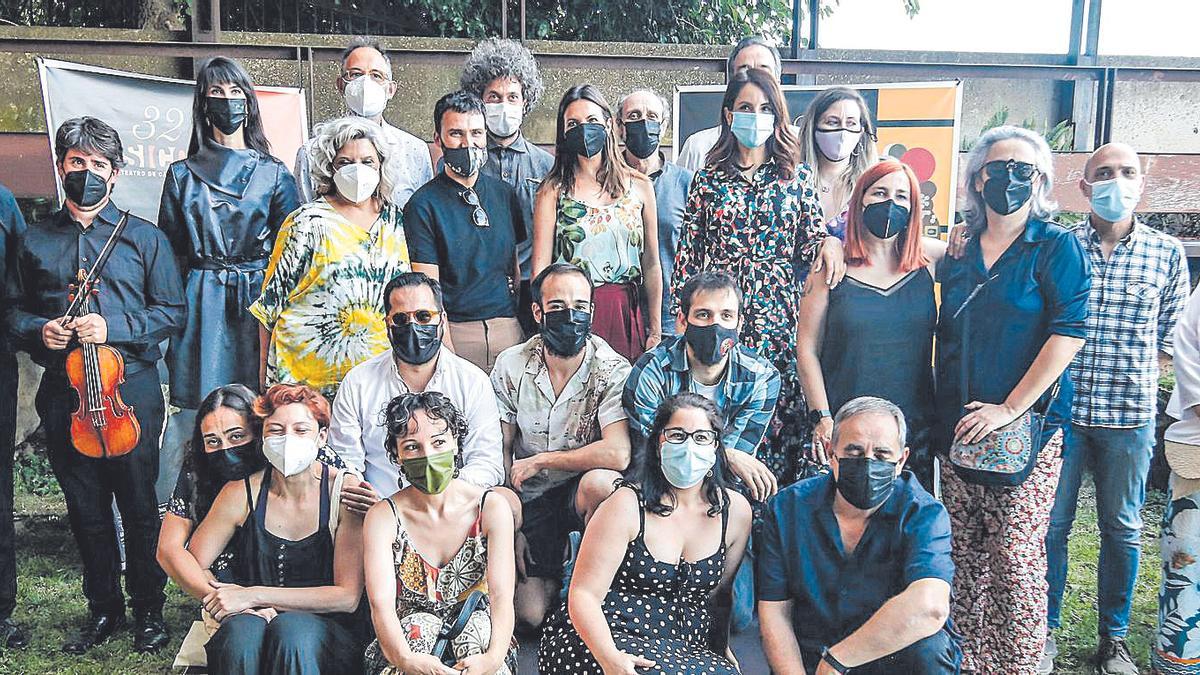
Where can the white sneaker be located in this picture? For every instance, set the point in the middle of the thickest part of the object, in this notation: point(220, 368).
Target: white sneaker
point(1049, 652)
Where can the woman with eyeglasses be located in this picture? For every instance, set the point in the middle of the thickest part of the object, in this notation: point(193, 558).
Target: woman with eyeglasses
point(653, 560)
point(1012, 318)
point(752, 212)
point(322, 297)
point(837, 141)
point(221, 209)
point(596, 213)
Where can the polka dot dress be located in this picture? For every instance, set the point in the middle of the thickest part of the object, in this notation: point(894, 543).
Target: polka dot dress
point(654, 609)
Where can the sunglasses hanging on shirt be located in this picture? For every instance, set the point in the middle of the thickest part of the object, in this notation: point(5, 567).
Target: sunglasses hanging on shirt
point(478, 215)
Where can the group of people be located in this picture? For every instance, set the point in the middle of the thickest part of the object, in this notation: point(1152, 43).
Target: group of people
point(617, 400)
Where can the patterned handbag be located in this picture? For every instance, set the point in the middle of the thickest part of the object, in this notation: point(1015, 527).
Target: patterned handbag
point(1006, 456)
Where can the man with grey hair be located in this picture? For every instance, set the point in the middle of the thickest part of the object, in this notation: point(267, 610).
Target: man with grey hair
point(365, 84)
point(750, 52)
point(854, 566)
point(641, 116)
point(505, 76)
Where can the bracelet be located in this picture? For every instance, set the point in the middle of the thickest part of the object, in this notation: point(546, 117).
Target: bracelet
point(833, 662)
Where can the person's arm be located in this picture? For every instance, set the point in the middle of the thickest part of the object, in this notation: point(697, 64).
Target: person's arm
point(774, 597)
point(210, 538)
point(174, 559)
point(165, 310)
point(643, 392)
point(652, 279)
point(483, 448)
point(918, 612)
point(778, 638)
point(171, 220)
point(25, 327)
point(605, 540)
point(304, 186)
point(1173, 300)
point(545, 216)
point(612, 451)
point(691, 250)
point(744, 433)
point(345, 425)
point(934, 250)
point(284, 200)
point(737, 536)
point(814, 244)
point(1187, 356)
point(290, 261)
point(810, 333)
point(501, 581)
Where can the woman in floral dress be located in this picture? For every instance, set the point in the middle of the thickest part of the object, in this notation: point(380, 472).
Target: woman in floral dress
point(752, 212)
point(595, 212)
point(431, 546)
point(321, 302)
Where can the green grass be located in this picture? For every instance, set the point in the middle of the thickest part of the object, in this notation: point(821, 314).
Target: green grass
point(51, 603)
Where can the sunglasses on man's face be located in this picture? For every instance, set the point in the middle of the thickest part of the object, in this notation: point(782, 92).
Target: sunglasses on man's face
point(1000, 168)
point(478, 215)
point(423, 317)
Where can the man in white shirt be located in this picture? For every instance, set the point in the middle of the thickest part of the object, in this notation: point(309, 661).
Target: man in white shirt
point(416, 363)
point(750, 52)
point(365, 83)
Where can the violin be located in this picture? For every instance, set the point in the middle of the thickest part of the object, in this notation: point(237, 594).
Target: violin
point(103, 426)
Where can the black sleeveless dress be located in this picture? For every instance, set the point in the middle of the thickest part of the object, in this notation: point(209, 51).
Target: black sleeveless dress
point(654, 609)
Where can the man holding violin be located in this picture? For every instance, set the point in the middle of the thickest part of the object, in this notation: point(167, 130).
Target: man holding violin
point(137, 303)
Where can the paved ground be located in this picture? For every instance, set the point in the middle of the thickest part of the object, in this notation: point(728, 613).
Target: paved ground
point(746, 647)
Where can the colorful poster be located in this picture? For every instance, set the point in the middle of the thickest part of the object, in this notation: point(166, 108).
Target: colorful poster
point(917, 123)
point(153, 115)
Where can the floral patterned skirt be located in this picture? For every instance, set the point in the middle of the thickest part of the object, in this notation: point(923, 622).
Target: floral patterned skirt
point(421, 631)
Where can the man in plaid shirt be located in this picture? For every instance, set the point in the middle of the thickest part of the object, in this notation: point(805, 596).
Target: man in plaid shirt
point(1139, 286)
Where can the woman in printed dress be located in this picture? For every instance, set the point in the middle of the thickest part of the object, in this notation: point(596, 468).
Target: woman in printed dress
point(752, 212)
point(431, 546)
point(322, 297)
point(595, 212)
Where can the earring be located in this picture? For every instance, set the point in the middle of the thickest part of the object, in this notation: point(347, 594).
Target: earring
point(709, 474)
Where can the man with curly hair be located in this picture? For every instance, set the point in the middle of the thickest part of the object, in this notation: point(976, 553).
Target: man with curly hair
point(505, 76)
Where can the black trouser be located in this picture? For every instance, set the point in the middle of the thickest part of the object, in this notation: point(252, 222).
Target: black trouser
point(938, 654)
point(91, 484)
point(8, 432)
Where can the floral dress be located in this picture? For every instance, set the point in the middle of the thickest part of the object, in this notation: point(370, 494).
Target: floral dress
point(428, 596)
point(1176, 649)
point(322, 296)
point(766, 232)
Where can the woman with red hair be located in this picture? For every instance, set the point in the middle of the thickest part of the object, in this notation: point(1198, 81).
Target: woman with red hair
point(872, 335)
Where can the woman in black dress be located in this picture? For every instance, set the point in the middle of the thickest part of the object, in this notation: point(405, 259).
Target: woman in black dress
point(629, 610)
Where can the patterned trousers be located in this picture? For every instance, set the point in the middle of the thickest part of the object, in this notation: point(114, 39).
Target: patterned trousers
point(999, 539)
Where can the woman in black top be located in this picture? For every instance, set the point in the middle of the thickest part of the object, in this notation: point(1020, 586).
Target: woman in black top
point(873, 334)
point(298, 567)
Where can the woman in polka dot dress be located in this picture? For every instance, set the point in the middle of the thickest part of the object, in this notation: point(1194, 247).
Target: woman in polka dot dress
point(627, 608)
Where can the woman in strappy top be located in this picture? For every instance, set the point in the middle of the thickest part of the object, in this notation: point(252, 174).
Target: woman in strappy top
point(439, 554)
point(297, 552)
point(883, 312)
point(643, 607)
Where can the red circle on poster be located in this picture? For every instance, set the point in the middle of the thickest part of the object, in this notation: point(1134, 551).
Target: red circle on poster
point(921, 161)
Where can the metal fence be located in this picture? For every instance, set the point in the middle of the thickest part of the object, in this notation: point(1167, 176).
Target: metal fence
point(76, 13)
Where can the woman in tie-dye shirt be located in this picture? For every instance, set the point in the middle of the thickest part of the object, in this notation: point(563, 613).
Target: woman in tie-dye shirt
point(321, 302)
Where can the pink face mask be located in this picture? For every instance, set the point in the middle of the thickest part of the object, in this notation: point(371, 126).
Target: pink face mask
point(837, 144)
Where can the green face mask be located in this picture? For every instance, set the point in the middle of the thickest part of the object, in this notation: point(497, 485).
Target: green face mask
point(431, 474)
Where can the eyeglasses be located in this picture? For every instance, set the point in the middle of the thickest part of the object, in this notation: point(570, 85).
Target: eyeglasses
point(701, 436)
point(352, 75)
point(423, 317)
point(478, 215)
point(1001, 169)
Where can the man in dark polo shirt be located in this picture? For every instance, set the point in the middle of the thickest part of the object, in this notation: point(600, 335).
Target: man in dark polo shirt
point(463, 228)
point(854, 566)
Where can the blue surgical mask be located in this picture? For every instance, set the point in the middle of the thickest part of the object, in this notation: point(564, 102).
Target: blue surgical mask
point(752, 129)
point(1114, 199)
point(685, 464)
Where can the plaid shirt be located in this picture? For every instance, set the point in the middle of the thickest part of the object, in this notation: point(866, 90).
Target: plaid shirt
point(746, 395)
point(1136, 296)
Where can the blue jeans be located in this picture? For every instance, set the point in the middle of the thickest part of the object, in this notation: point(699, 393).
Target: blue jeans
point(1119, 460)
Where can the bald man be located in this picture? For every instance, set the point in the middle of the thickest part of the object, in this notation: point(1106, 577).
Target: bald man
point(1139, 285)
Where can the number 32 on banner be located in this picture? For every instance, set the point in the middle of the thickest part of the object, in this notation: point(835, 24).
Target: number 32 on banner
point(171, 122)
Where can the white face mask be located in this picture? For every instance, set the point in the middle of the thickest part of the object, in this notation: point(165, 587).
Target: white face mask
point(837, 144)
point(365, 97)
point(356, 182)
point(290, 454)
point(503, 119)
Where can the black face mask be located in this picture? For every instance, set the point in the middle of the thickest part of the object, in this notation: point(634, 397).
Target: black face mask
point(85, 188)
point(586, 140)
point(234, 463)
point(565, 331)
point(885, 219)
point(226, 114)
point(1007, 195)
point(710, 343)
point(414, 343)
point(865, 482)
point(465, 162)
point(641, 137)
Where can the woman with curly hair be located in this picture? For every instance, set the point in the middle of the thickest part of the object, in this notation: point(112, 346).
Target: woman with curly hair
point(438, 551)
point(321, 306)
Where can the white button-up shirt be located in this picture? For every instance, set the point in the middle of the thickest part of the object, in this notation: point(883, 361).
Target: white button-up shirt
point(409, 154)
point(590, 401)
point(357, 433)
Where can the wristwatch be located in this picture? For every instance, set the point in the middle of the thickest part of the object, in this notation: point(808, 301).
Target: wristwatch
point(815, 416)
point(834, 663)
